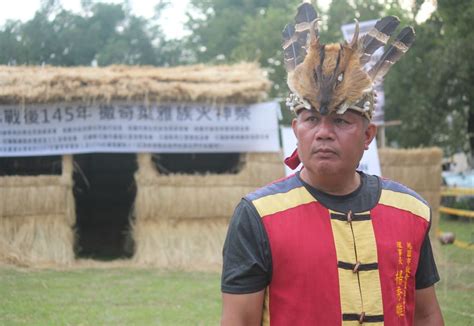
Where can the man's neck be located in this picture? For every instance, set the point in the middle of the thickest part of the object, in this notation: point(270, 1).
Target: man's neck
point(339, 185)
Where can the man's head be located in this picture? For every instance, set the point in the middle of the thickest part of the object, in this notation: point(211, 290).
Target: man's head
point(333, 143)
point(333, 83)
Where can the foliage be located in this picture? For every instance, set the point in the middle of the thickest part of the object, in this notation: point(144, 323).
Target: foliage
point(344, 12)
point(431, 90)
point(236, 30)
point(103, 34)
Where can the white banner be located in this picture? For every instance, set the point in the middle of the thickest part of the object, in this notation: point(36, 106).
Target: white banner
point(370, 163)
point(120, 128)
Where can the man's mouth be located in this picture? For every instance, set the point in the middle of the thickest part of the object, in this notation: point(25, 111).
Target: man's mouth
point(325, 150)
point(325, 153)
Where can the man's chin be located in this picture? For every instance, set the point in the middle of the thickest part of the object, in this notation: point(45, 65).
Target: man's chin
point(322, 167)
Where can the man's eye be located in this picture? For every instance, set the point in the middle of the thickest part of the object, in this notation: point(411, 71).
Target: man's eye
point(311, 119)
point(340, 121)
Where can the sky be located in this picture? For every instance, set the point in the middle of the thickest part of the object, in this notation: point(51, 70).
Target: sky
point(174, 17)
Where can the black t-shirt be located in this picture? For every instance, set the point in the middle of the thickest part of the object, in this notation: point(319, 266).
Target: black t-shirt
point(247, 264)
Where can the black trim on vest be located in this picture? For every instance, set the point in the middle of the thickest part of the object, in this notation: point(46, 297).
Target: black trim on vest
point(354, 218)
point(367, 318)
point(362, 267)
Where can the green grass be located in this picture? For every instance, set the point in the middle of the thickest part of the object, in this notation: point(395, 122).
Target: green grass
point(129, 296)
point(456, 267)
point(108, 297)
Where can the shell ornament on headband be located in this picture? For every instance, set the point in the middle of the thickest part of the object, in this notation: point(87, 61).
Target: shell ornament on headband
point(334, 77)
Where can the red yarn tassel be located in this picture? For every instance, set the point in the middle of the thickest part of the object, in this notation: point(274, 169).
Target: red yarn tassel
point(293, 160)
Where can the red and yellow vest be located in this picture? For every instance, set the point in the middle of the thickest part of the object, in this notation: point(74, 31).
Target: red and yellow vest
point(338, 268)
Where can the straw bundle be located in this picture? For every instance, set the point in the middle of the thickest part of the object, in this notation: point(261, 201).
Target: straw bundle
point(241, 83)
point(9, 255)
point(27, 200)
point(161, 201)
point(419, 169)
point(181, 220)
point(36, 218)
point(185, 244)
point(258, 169)
point(39, 239)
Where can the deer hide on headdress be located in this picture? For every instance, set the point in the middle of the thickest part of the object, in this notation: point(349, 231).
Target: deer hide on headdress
point(333, 77)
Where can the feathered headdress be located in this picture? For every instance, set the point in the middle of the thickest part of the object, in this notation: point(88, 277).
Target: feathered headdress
point(334, 77)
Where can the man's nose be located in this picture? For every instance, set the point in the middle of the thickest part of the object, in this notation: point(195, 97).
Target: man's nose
point(325, 129)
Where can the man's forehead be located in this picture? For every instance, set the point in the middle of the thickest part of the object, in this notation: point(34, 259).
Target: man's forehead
point(305, 112)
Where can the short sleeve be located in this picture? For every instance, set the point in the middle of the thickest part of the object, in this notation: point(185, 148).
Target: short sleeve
point(246, 253)
point(427, 273)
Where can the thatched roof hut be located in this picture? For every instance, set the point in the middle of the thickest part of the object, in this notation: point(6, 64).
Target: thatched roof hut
point(167, 210)
point(242, 83)
point(173, 210)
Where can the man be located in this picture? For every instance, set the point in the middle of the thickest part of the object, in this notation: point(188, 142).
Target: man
point(331, 245)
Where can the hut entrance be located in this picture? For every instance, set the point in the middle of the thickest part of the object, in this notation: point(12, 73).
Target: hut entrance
point(30, 166)
point(216, 163)
point(104, 191)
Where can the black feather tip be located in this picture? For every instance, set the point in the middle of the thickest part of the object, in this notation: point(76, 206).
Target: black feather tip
point(306, 13)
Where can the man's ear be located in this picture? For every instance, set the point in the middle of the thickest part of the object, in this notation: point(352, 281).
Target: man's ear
point(370, 133)
point(293, 125)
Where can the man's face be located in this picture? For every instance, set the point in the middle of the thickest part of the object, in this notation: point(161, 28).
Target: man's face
point(332, 144)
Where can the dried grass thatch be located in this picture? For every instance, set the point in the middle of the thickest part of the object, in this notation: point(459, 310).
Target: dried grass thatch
point(181, 220)
point(184, 244)
point(36, 218)
point(37, 213)
point(419, 169)
point(241, 83)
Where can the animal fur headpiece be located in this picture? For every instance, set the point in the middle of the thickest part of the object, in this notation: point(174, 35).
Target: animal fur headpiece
point(335, 77)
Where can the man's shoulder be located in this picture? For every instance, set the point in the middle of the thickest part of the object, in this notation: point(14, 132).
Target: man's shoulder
point(279, 186)
point(398, 195)
point(394, 186)
point(278, 196)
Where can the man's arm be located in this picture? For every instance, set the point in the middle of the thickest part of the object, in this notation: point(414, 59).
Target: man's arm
point(427, 311)
point(242, 309)
point(246, 268)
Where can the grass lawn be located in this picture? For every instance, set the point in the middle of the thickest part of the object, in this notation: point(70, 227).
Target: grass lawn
point(456, 267)
point(119, 296)
point(130, 296)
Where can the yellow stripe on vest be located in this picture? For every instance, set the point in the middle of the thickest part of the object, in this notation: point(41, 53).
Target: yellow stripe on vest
point(349, 292)
point(343, 240)
point(371, 292)
point(406, 202)
point(365, 242)
point(280, 202)
point(349, 282)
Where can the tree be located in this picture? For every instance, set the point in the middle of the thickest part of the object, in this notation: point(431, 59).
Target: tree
point(103, 34)
point(219, 27)
point(344, 12)
point(11, 44)
point(431, 89)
